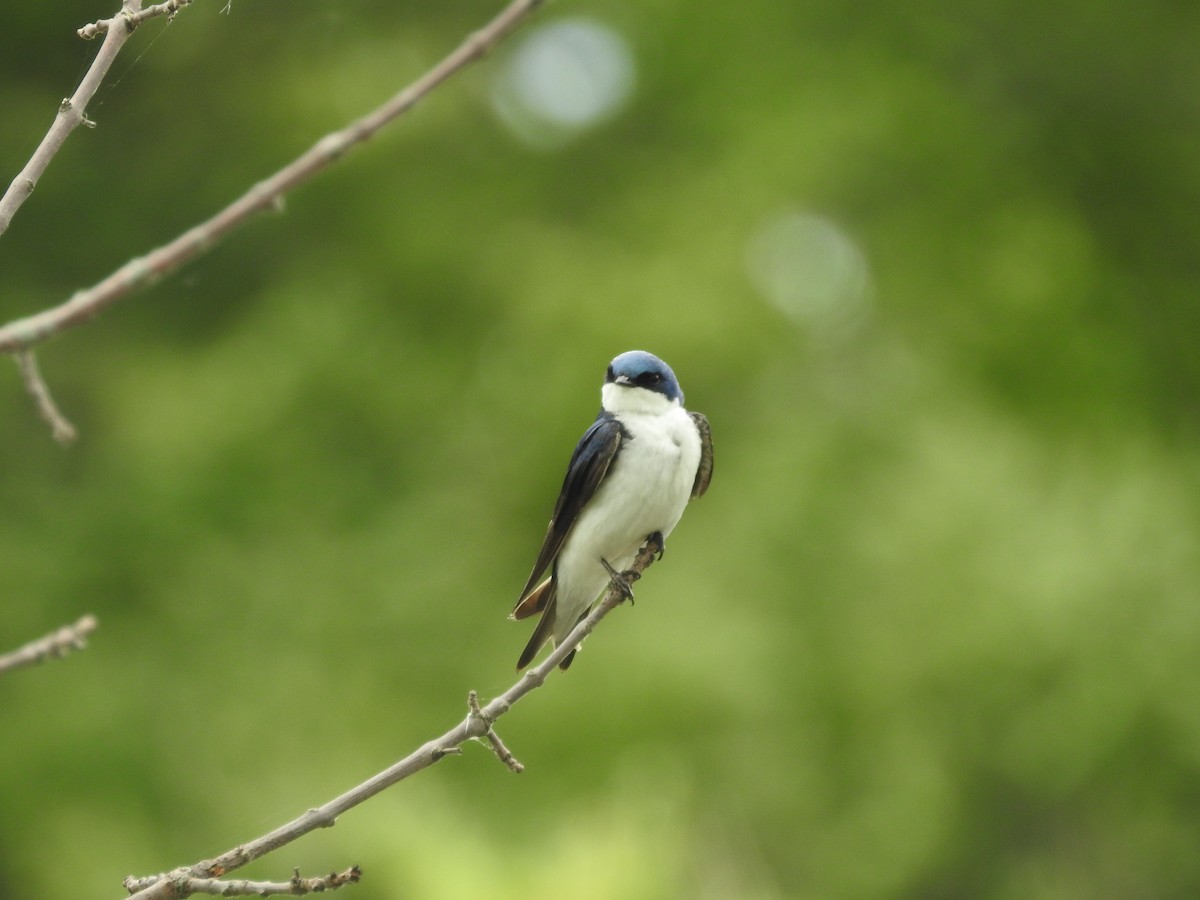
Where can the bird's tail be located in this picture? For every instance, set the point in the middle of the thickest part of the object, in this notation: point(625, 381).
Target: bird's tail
point(540, 600)
point(533, 602)
point(541, 634)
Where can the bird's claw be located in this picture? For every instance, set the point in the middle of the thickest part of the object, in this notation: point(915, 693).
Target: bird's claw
point(656, 538)
point(619, 580)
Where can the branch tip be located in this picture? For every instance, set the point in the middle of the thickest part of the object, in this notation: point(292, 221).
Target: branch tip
point(55, 645)
point(62, 430)
point(473, 705)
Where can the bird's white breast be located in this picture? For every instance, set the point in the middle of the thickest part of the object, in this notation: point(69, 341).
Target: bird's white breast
point(646, 490)
point(651, 479)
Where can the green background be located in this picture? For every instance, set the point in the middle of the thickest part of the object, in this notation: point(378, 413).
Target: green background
point(933, 633)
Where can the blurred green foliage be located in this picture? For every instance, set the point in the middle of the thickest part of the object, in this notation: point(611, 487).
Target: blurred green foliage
point(933, 632)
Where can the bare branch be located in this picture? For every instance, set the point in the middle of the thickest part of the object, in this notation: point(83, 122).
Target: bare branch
point(35, 385)
point(185, 886)
point(134, 19)
point(145, 270)
point(70, 112)
point(477, 724)
point(55, 645)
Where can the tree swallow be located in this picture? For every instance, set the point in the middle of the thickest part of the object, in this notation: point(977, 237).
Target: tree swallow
point(630, 477)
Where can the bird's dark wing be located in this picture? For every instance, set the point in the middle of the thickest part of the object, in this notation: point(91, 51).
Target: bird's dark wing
point(704, 470)
point(589, 464)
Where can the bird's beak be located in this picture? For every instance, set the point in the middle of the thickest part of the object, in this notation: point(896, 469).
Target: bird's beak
point(623, 379)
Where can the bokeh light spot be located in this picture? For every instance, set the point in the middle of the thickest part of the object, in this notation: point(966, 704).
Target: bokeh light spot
point(811, 270)
point(563, 79)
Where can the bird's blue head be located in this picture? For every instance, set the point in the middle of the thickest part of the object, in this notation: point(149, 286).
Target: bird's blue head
point(639, 369)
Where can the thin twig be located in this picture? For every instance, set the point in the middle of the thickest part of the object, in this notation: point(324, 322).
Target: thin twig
point(55, 645)
point(185, 886)
point(134, 19)
point(145, 270)
point(477, 724)
point(64, 432)
point(70, 114)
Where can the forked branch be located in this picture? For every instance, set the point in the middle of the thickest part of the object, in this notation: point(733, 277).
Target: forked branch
point(72, 111)
point(133, 18)
point(143, 271)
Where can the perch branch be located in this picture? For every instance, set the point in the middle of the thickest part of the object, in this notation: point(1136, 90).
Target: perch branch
point(71, 112)
point(478, 724)
point(185, 885)
point(145, 270)
point(55, 645)
point(35, 386)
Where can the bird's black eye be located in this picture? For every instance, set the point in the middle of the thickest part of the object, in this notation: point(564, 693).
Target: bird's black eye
point(651, 378)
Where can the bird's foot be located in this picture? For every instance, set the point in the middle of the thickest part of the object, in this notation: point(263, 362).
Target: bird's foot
point(656, 541)
point(619, 580)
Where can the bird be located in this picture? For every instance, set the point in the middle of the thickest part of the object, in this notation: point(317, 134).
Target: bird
point(632, 474)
